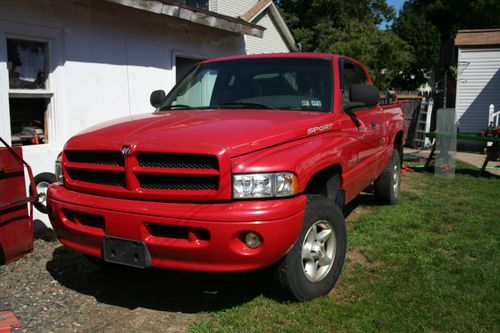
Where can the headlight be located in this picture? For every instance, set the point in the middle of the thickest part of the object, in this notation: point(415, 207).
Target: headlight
point(264, 185)
point(58, 169)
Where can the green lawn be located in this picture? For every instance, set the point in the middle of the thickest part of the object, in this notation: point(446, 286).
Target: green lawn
point(430, 263)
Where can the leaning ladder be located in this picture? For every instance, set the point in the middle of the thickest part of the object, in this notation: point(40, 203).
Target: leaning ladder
point(423, 124)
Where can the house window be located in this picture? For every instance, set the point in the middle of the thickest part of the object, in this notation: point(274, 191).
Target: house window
point(201, 4)
point(29, 93)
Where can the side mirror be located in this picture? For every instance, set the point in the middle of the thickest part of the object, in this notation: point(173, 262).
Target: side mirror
point(157, 98)
point(367, 94)
point(361, 95)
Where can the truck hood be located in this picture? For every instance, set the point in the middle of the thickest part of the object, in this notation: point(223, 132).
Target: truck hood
point(230, 131)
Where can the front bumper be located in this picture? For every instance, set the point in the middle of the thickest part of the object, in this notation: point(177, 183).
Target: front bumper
point(187, 236)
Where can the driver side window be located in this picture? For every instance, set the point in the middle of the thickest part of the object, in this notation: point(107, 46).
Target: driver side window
point(352, 74)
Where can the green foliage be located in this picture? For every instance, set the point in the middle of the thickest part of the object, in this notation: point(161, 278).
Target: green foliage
point(448, 16)
point(423, 36)
point(383, 52)
point(350, 28)
point(406, 57)
point(430, 27)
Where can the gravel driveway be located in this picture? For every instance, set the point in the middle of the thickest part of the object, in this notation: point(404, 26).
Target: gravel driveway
point(55, 289)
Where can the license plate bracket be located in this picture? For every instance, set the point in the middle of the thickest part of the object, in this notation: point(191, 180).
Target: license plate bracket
point(126, 252)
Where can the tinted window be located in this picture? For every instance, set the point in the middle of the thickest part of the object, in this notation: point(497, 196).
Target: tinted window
point(351, 74)
point(361, 74)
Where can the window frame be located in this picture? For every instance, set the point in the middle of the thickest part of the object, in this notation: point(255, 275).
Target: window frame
point(53, 39)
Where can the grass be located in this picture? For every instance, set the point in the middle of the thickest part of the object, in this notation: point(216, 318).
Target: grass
point(430, 263)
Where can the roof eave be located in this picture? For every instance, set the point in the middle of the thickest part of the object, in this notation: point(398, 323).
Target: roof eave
point(480, 37)
point(194, 15)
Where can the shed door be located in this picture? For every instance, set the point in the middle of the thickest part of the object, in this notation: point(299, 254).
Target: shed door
point(478, 86)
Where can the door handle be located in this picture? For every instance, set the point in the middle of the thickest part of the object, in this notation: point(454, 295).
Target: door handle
point(373, 124)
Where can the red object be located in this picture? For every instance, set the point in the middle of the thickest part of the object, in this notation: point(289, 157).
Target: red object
point(278, 221)
point(16, 225)
point(8, 320)
point(405, 169)
point(34, 140)
point(445, 167)
point(108, 199)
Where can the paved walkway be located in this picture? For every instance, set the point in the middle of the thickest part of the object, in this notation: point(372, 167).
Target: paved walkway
point(475, 159)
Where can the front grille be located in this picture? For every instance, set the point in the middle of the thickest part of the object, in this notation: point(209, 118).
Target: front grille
point(95, 157)
point(98, 177)
point(144, 175)
point(177, 161)
point(182, 183)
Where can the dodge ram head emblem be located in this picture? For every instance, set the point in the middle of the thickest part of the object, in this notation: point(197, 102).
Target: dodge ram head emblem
point(125, 151)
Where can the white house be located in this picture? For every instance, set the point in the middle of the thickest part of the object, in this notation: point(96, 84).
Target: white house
point(67, 65)
point(277, 37)
point(478, 77)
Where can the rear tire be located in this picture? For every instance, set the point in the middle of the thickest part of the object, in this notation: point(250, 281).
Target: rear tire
point(387, 185)
point(312, 266)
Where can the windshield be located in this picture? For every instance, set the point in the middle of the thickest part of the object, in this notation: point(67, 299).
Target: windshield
point(262, 83)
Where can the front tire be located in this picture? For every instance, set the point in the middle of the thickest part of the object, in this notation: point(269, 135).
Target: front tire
point(312, 266)
point(387, 185)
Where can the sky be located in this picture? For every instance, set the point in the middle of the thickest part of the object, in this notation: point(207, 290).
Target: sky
point(397, 4)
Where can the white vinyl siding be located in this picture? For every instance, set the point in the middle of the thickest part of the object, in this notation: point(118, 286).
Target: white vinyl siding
point(212, 5)
point(478, 86)
point(272, 40)
point(231, 7)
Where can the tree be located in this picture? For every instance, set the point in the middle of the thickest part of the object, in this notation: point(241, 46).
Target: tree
point(424, 37)
point(383, 52)
point(430, 26)
point(350, 28)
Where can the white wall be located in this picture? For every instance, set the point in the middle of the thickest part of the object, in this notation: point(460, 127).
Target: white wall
point(272, 42)
point(478, 86)
point(231, 7)
point(104, 62)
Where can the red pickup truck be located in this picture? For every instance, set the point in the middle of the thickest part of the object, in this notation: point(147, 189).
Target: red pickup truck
point(247, 163)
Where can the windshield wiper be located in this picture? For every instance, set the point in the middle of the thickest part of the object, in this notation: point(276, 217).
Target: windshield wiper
point(179, 106)
point(255, 105)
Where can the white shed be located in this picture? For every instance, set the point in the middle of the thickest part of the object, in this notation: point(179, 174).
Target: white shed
point(68, 65)
point(478, 77)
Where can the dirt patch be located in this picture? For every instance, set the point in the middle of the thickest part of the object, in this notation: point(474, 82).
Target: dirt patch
point(449, 253)
point(408, 184)
point(449, 227)
point(358, 212)
point(356, 256)
point(341, 293)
